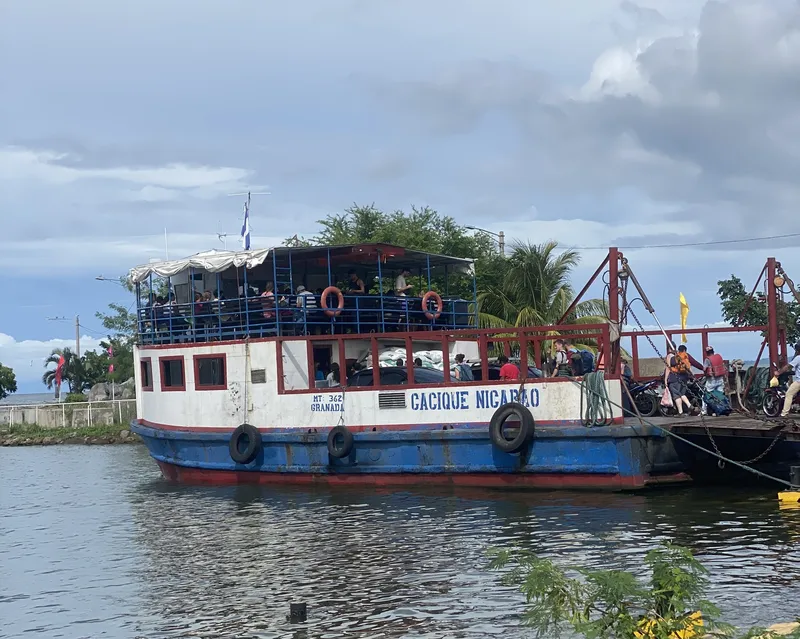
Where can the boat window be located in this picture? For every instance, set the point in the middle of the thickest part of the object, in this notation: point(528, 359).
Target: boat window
point(362, 378)
point(210, 373)
point(393, 378)
point(172, 377)
point(146, 369)
point(428, 376)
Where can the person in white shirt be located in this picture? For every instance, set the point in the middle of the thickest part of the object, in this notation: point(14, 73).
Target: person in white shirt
point(400, 285)
point(305, 299)
point(794, 387)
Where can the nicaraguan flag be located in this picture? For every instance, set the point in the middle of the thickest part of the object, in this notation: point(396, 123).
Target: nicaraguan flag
point(246, 228)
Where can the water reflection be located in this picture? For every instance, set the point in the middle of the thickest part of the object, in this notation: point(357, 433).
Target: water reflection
point(414, 562)
point(103, 547)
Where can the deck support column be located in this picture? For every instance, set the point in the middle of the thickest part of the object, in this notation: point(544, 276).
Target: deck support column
point(613, 310)
point(772, 316)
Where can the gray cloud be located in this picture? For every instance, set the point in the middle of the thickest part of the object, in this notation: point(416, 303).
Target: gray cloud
point(668, 125)
point(704, 119)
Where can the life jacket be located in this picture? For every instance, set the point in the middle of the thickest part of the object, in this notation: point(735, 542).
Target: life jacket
point(681, 364)
point(717, 368)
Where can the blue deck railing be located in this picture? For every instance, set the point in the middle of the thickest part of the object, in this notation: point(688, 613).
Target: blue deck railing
point(273, 316)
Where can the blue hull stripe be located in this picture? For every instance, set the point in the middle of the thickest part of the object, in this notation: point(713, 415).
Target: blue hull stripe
point(625, 451)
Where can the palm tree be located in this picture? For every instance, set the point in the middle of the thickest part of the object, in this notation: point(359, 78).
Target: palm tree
point(72, 373)
point(536, 291)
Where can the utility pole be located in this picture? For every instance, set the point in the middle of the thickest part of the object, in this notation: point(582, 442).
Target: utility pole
point(501, 237)
point(77, 331)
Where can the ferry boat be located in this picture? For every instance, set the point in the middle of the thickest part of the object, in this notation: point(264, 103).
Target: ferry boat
point(297, 366)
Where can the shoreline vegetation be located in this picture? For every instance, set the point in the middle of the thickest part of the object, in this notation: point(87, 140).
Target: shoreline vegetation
point(34, 435)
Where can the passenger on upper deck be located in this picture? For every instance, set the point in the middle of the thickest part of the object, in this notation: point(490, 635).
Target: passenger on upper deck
point(305, 299)
point(356, 284)
point(400, 285)
point(269, 301)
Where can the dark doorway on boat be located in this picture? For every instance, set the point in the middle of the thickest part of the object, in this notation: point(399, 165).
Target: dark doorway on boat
point(322, 360)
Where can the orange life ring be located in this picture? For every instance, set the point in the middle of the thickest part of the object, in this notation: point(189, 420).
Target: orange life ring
point(332, 290)
point(432, 295)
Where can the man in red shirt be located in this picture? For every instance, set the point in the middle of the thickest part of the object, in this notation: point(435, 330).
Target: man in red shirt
point(508, 371)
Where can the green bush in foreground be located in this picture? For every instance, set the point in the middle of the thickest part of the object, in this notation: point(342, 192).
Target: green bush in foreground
point(614, 604)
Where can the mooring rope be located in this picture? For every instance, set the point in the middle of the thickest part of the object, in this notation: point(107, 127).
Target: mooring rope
point(598, 411)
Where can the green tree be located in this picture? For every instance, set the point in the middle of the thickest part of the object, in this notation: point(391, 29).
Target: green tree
point(423, 229)
point(96, 364)
point(73, 372)
point(536, 291)
point(8, 381)
point(736, 310)
point(614, 604)
point(121, 323)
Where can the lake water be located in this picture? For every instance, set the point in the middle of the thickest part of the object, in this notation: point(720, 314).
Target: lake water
point(93, 543)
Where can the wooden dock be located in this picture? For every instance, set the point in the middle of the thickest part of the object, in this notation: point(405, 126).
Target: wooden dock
point(734, 425)
point(731, 426)
point(769, 446)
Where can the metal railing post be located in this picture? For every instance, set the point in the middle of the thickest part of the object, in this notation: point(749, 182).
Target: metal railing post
point(380, 292)
point(246, 304)
point(152, 313)
point(191, 301)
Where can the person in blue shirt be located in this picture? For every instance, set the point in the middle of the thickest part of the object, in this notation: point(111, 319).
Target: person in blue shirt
point(794, 387)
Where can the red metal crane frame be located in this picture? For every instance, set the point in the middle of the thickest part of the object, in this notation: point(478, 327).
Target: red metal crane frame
point(775, 334)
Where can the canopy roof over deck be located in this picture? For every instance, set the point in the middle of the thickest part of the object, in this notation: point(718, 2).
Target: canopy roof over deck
point(315, 258)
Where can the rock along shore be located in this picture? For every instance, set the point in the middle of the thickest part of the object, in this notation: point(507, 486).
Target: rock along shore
point(96, 435)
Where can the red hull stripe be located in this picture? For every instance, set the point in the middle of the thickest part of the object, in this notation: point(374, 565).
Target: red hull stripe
point(507, 481)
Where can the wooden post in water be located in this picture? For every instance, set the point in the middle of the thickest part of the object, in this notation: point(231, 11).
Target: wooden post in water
point(298, 612)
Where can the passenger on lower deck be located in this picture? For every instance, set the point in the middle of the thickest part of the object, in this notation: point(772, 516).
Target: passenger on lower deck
point(508, 371)
point(561, 363)
point(333, 376)
point(463, 371)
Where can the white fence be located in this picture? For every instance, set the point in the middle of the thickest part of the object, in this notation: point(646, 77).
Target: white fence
point(70, 415)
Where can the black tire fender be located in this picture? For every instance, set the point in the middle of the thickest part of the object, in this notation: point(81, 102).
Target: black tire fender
point(526, 427)
point(340, 442)
point(241, 452)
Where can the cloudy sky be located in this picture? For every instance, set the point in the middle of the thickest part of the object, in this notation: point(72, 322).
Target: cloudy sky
point(587, 121)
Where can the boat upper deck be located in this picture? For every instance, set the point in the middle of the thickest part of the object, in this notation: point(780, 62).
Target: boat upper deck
point(287, 291)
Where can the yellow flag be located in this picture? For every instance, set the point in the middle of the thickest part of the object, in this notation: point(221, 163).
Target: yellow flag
point(684, 316)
